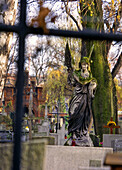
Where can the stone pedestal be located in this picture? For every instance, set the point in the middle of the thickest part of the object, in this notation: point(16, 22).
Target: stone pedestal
point(85, 141)
point(73, 157)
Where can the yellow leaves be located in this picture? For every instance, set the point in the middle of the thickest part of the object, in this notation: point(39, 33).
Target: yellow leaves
point(81, 1)
point(55, 84)
point(54, 75)
point(89, 8)
point(110, 14)
point(112, 1)
point(47, 97)
point(118, 17)
point(91, 14)
point(93, 3)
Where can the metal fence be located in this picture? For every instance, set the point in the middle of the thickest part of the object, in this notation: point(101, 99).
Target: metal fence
point(23, 30)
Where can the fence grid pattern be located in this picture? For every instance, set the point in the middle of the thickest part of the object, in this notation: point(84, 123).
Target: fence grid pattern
point(23, 30)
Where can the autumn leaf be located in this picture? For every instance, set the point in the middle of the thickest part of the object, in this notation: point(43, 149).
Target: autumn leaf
point(39, 21)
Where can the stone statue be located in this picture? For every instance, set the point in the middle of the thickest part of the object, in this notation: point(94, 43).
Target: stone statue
point(80, 109)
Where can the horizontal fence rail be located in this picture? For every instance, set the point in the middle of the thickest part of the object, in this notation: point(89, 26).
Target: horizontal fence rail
point(85, 34)
point(22, 30)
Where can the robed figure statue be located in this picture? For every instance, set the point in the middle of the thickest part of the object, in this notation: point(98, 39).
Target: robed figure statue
point(80, 106)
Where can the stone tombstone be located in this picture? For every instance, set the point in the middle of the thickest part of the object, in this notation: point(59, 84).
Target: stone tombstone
point(32, 156)
point(59, 136)
point(113, 141)
point(116, 145)
point(120, 124)
point(56, 136)
point(43, 129)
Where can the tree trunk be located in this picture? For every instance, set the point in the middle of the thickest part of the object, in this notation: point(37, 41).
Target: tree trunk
point(99, 67)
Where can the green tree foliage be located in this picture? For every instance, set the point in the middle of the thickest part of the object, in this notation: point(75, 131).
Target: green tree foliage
point(6, 120)
point(55, 87)
point(100, 69)
point(91, 14)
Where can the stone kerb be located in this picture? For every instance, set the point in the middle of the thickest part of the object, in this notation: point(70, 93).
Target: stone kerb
point(71, 158)
point(94, 168)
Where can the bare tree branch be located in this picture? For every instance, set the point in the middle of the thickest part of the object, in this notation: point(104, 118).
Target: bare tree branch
point(71, 16)
point(117, 66)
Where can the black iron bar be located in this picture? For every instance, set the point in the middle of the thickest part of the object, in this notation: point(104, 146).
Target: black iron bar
point(85, 34)
point(9, 28)
point(20, 87)
point(22, 30)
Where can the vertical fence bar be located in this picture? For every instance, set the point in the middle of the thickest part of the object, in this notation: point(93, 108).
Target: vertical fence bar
point(19, 86)
point(23, 30)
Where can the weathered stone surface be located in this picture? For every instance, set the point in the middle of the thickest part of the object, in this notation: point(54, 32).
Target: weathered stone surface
point(56, 136)
point(6, 151)
point(59, 136)
point(37, 156)
point(33, 156)
point(94, 168)
point(50, 140)
point(113, 141)
point(73, 157)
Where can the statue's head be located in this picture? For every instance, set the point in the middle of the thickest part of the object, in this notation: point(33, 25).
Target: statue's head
point(84, 61)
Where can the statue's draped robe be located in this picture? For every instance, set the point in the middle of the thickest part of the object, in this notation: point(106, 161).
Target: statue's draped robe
point(80, 110)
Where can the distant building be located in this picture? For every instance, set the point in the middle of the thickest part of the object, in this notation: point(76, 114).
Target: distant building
point(9, 96)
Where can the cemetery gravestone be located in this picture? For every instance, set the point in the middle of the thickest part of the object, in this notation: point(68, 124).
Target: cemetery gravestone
point(33, 156)
point(113, 141)
point(80, 107)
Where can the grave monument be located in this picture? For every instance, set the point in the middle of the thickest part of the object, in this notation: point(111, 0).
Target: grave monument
point(80, 107)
